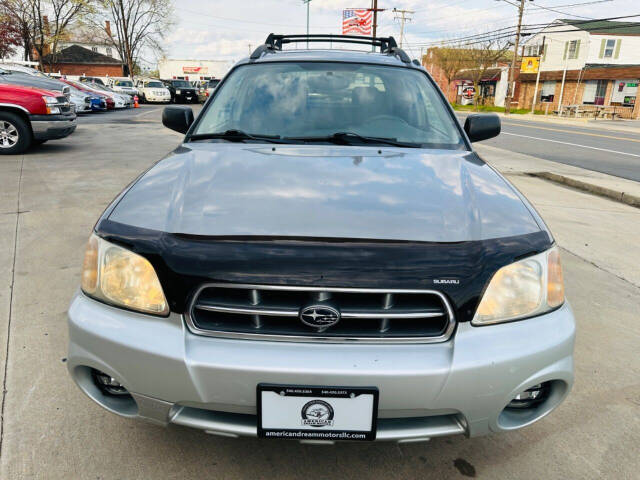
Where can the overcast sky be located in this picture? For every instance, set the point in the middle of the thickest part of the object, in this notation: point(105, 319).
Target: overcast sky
point(216, 29)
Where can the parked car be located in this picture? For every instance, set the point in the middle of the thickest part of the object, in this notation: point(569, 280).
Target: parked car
point(12, 77)
point(31, 116)
point(181, 91)
point(324, 257)
point(122, 85)
point(122, 100)
point(211, 86)
point(152, 90)
point(98, 80)
point(106, 101)
point(81, 101)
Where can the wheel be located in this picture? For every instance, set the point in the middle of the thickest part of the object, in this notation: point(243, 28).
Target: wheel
point(15, 134)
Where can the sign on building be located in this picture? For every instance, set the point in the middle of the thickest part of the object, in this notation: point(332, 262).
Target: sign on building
point(530, 65)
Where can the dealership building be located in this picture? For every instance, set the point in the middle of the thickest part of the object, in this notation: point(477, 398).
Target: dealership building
point(193, 70)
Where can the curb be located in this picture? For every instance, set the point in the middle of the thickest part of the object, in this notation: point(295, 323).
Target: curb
point(618, 196)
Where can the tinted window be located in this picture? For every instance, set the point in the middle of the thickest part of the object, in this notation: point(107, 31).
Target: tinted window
point(308, 99)
point(123, 83)
point(154, 84)
point(181, 84)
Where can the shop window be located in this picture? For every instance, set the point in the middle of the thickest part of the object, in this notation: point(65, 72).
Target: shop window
point(624, 92)
point(594, 92)
point(548, 91)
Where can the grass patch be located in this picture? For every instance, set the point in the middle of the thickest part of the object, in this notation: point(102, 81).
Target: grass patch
point(491, 108)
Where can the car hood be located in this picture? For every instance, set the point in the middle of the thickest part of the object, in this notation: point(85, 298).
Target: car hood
point(32, 81)
point(319, 191)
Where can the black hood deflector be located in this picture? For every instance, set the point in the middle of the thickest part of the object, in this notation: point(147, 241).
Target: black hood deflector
point(183, 262)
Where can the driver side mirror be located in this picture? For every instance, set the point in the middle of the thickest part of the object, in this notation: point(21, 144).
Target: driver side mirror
point(482, 126)
point(178, 118)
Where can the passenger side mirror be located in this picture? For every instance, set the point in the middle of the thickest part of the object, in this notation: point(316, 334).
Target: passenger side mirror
point(178, 118)
point(482, 126)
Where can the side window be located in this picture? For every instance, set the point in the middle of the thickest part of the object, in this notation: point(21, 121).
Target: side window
point(573, 49)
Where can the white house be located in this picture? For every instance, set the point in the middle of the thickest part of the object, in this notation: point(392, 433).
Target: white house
point(584, 62)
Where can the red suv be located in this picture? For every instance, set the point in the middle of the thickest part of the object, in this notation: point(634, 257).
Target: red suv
point(31, 116)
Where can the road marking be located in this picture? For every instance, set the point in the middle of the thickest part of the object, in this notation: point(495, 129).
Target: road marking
point(518, 124)
point(572, 144)
point(574, 132)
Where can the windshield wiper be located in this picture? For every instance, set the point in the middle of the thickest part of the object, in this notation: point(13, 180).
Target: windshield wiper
point(236, 136)
point(346, 138)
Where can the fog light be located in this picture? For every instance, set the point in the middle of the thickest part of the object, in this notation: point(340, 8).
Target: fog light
point(107, 384)
point(531, 396)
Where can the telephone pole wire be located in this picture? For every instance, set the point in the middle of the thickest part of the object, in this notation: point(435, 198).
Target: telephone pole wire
point(403, 16)
point(514, 63)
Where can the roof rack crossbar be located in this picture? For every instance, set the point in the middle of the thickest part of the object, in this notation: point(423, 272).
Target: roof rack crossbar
point(275, 42)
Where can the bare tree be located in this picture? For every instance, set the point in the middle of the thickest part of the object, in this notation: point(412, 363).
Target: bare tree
point(450, 60)
point(481, 57)
point(20, 13)
point(44, 23)
point(136, 26)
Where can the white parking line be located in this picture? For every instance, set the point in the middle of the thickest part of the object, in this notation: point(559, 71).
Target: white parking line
point(572, 144)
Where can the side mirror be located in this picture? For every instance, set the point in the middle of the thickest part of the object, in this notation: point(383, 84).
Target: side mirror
point(178, 118)
point(482, 126)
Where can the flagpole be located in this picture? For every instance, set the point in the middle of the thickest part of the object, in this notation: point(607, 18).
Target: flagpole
point(307, 2)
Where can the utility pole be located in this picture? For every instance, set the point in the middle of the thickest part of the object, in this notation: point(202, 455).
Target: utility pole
point(307, 2)
point(535, 92)
point(374, 8)
point(514, 63)
point(249, 49)
point(403, 18)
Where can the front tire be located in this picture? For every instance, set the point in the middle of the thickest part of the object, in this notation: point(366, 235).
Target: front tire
point(15, 134)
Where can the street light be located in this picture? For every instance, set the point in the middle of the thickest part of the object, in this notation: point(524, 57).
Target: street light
point(307, 2)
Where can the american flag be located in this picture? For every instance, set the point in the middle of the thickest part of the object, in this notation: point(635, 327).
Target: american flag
point(356, 21)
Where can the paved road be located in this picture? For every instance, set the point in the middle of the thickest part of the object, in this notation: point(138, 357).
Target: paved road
point(49, 201)
point(607, 151)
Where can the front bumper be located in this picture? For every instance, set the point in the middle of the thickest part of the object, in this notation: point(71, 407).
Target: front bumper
point(52, 127)
point(457, 387)
point(158, 98)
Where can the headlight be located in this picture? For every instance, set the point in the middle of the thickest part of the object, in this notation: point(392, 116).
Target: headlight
point(178, 92)
point(52, 105)
point(122, 278)
point(526, 288)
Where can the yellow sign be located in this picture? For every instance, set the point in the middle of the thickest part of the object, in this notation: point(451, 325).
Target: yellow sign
point(530, 64)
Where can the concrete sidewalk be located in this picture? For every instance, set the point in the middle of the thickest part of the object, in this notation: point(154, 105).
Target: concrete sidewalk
point(512, 163)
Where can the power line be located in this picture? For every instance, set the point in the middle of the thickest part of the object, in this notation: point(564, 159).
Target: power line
point(529, 28)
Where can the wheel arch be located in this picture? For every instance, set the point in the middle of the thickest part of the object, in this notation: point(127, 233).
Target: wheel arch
point(19, 110)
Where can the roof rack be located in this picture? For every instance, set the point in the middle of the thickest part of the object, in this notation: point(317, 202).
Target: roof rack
point(274, 42)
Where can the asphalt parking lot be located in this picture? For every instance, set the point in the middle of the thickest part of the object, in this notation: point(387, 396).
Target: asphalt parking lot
point(49, 201)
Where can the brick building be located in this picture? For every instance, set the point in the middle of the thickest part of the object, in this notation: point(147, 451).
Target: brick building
point(492, 86)
point(77, 60)
point(584, 64)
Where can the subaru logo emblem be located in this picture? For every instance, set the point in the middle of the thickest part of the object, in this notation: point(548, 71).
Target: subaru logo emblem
point(319, 316)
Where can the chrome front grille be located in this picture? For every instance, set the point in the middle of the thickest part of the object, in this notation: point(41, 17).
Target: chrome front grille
point(273, 313)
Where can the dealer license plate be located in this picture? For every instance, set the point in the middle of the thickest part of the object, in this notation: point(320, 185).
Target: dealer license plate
point(317, 413)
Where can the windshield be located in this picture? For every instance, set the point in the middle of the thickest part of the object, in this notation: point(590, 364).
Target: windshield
point(181, 84)
point(312, 99)
point(123, 83)
point(154, 84)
